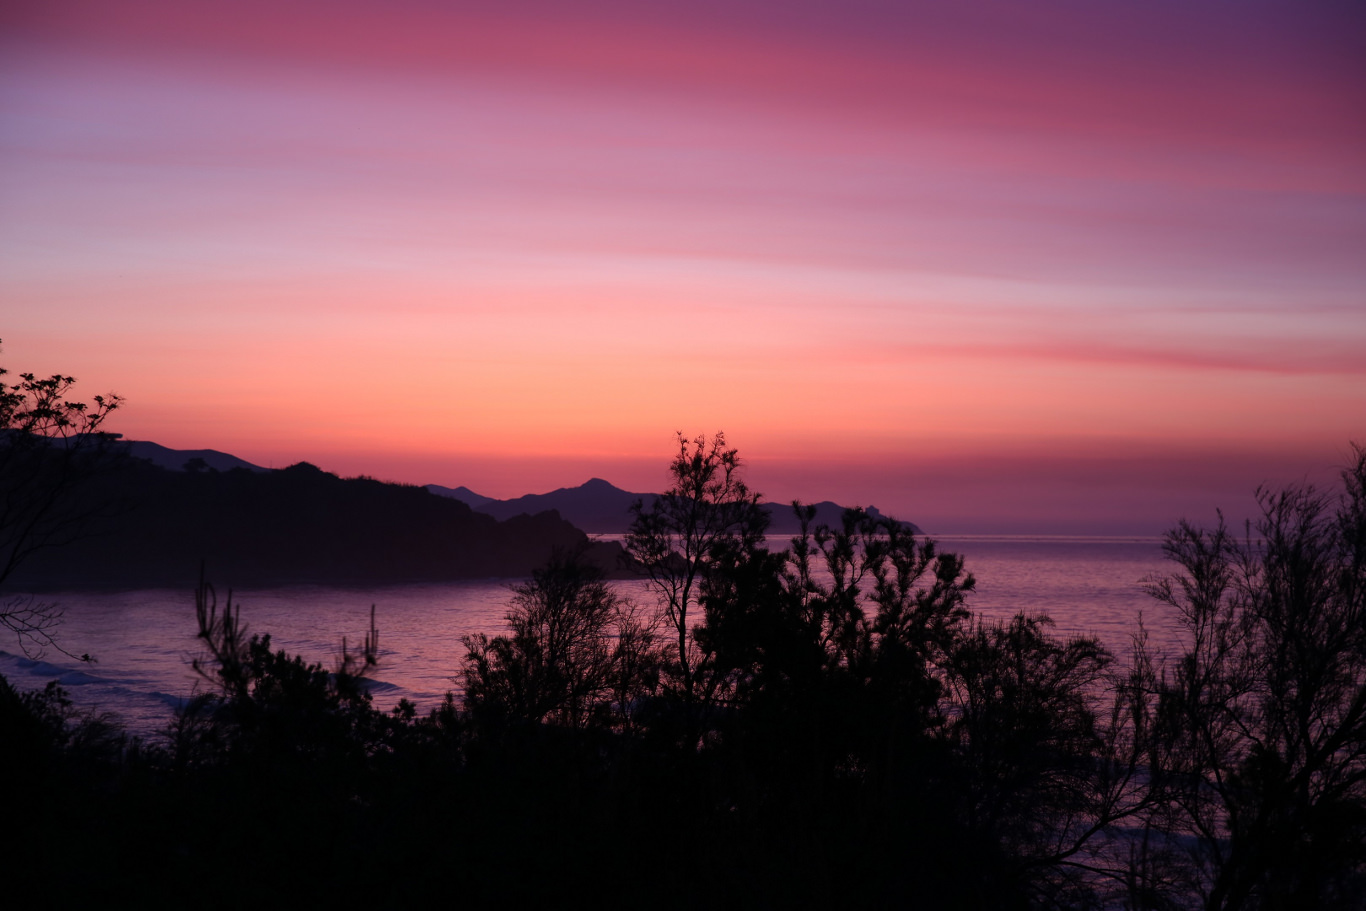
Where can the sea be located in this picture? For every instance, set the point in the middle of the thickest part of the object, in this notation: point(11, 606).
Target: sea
point(142, 643)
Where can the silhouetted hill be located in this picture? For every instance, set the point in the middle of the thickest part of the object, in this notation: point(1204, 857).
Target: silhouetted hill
point(178, 459)
point(463, 494)
point(598, 507)
point(296, 525)
point(784, 520)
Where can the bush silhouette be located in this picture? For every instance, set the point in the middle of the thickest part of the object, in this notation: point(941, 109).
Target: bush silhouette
point(1259, 726)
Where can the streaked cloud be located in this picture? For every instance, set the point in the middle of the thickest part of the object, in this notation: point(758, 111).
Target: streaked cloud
point(501, 231)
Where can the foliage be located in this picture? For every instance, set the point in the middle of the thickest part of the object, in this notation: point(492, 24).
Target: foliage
point(578, 655)
point(51, 447)
point(268, 702)
point(44, 727)
point(1039, 779)
point(707, 519)
point(1259, 726)
point(855, 619)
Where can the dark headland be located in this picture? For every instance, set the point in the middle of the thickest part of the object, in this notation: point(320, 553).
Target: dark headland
point(163, 511)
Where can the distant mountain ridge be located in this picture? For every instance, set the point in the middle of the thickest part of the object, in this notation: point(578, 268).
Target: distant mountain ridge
point(599, 507)
point(595, 506)
point(178, 459)
point(149, 527)
point(463, 494)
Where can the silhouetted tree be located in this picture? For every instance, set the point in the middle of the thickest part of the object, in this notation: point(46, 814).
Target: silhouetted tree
point(50, 448)
point(270, 705)
point(864, 701)
point(1025, 718)
point(881, 610)
point(822, 736)
point(706, 519)
point(1259, 725)
point(577, 655)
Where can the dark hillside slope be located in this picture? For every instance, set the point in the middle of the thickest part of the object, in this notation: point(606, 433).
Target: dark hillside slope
point(178, 459)
point(296, 525)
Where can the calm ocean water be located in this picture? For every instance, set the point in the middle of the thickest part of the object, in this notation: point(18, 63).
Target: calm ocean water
point(143, 641)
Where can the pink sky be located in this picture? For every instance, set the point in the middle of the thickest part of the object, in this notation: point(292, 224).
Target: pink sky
point(1053, 267)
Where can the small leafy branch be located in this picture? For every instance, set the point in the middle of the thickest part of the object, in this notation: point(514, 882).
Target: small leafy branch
point(51, 447)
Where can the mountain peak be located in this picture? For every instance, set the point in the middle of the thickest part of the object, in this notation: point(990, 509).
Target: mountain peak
point(462, 493)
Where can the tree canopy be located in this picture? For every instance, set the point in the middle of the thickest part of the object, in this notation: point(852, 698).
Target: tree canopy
point(52, 446)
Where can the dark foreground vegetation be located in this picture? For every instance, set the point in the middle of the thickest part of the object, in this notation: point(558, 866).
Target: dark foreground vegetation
point(827, 725)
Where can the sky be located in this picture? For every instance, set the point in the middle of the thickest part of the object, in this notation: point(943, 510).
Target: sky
point(1057, 267)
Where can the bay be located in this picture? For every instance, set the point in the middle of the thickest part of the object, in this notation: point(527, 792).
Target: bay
point(143, 641)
